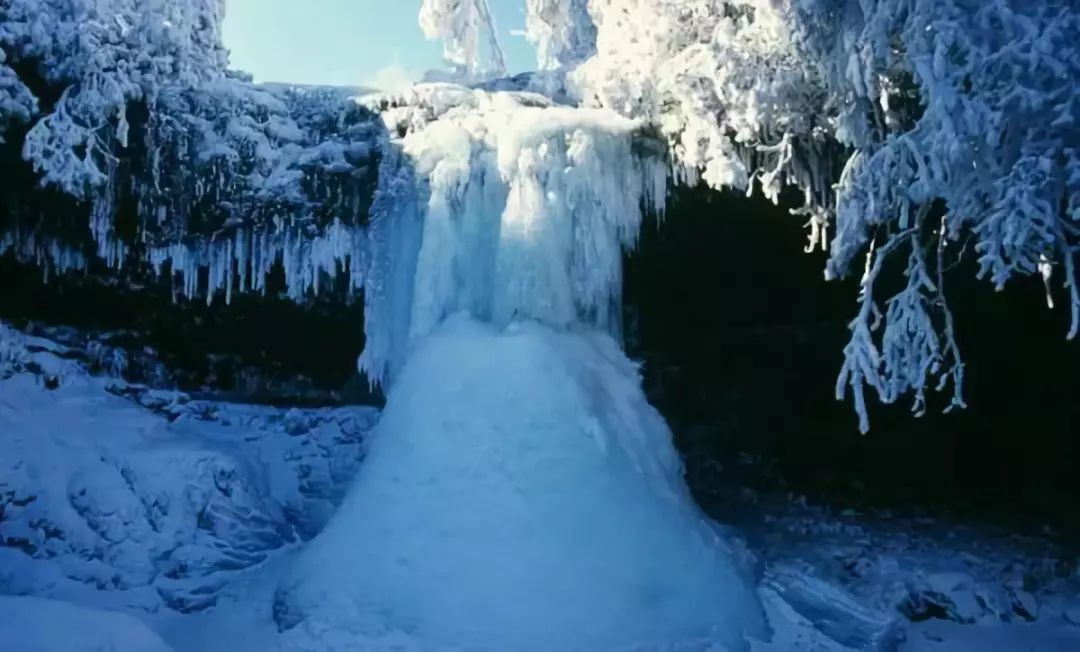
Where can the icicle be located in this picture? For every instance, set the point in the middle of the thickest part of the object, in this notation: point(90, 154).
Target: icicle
point(525, 214)
point(1046, 270)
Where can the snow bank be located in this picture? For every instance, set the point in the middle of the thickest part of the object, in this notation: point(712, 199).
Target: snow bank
point(37, 625)
point(117, 505)
point(520, 493)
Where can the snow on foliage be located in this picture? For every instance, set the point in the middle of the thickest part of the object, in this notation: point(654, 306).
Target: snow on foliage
point(561, 30)
point(104, 55)
point(912, 125)
point(17, 103)
point(916, 130)
point(470, 42)
point(217, 168)
point(282, 175)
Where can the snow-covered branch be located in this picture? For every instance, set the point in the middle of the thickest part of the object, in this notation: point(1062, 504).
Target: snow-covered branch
point(224, 176)
point(470, 42)
point(968, 110)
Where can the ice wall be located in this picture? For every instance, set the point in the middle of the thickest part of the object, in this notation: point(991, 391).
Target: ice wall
point(504, 207)
point(520, 492)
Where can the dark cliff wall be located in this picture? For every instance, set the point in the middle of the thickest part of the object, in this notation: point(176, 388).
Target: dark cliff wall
point(742, 340)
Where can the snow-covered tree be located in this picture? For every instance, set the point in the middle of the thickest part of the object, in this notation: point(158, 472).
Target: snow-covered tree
point(17, 103)
point(918, 131)
point(911, 126)
point(470, 42)
point(100, 56)
point(139, 108)
point(562, 31)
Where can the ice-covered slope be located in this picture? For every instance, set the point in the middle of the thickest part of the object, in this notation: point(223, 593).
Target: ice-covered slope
point(521, 494)
point(115, 504)
point(39, 625)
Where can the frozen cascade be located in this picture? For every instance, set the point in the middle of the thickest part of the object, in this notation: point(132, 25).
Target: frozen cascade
point(522, 212)
point(520, 493)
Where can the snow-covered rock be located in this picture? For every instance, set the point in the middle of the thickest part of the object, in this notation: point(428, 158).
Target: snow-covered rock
point(161, 505)
point(1071, 613)
point(835, 613)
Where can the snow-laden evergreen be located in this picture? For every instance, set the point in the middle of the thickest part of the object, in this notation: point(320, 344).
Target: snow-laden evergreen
point(104, 55)
point(918, 131)
point(17, 103)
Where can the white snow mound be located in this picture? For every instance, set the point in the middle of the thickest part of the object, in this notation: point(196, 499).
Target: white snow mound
point(38, 625)
point(520, 493)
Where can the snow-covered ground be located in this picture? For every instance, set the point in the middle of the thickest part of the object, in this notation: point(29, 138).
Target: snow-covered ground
point(116, 496)
point(141, 520)
point(854, 581)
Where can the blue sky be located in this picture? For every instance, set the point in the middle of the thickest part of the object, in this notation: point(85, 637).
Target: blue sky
point(349, 42)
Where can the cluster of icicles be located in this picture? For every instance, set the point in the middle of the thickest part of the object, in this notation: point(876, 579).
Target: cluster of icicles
point(48, 253)
point(243, 261)
point(240, 261)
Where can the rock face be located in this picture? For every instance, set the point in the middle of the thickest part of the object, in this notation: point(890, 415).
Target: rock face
point(149, 495)
point(217, 351)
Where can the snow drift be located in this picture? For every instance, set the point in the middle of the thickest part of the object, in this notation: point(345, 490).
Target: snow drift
point(38, 625)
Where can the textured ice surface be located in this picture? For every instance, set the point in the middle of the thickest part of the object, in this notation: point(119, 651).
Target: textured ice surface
point(505, 207)
point(520, 493)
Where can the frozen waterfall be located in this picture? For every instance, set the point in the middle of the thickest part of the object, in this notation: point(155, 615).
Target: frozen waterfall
point(520, 493)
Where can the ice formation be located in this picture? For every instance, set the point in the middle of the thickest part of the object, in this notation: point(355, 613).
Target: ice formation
point(520, 492)
point(116, 496)
point(222, 176)
point(98, 491)
point(507, 208)
point(911, 128)
point(562, 31)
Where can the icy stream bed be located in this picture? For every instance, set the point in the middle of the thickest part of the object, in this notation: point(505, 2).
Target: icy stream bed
point(138, 520)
